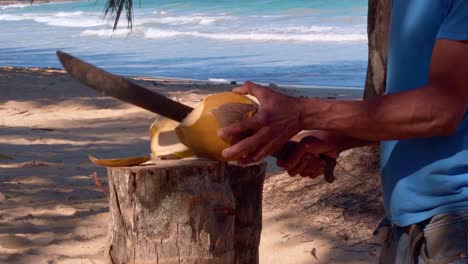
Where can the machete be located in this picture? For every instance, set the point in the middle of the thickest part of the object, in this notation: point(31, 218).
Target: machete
point(132, 93)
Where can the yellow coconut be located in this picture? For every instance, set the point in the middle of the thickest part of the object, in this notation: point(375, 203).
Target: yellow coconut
point(164, 141)
point(198, 131)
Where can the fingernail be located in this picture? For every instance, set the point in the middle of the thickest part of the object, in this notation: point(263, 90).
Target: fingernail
point(220, 132)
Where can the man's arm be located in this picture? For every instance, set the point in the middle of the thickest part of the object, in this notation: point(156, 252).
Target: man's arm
point(432, 110)
point(335, 142)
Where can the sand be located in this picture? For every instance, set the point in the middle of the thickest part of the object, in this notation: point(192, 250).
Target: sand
point(51, 211)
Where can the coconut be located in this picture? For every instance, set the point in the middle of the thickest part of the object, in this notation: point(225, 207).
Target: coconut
point(198, 131)
point(164, 141)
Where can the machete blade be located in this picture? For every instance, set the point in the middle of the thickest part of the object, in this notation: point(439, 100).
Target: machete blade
point(122, 89)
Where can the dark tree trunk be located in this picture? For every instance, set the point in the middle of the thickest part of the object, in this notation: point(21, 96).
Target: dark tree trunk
point(247, 185)
point(378, 30)
point(185, 211)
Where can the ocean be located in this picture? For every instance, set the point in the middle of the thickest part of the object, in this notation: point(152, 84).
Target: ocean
point(293, 42)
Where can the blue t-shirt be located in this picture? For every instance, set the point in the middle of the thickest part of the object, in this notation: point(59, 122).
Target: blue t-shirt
point(427, 176)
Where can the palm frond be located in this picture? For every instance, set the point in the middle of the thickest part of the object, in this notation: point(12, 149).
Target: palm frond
point(114, 9)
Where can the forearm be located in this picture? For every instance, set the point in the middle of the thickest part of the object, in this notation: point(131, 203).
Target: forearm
point(418, 113)
point(340, 141)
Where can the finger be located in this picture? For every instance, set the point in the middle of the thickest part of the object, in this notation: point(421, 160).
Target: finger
point(313, 174)
point(302, 165)
point(313, 164)
point(332, 154)
point(249, 88)
point(317, 173)
point(281, 163)
point(307, 145)
point(314, 169)
point(266, 150)
point(295, 158)
point(243, 147)
point(253, 123)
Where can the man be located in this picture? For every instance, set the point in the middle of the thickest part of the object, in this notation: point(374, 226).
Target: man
point(421, 124)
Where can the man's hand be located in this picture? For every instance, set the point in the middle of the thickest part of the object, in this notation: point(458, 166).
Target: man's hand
point(305, 160)
point(278, 120)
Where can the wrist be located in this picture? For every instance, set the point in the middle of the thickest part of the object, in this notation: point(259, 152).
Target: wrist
point(301, 112)
point(311, 110)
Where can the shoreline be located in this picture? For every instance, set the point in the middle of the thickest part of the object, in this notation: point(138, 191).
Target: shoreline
point(314, 91)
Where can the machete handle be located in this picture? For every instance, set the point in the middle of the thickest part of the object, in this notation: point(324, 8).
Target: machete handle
point(291, 146)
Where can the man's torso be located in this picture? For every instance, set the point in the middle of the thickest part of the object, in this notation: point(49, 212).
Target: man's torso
point(422, 177)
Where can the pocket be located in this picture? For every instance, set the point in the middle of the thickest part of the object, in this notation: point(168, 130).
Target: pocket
point(446, 239)
point(382, 234)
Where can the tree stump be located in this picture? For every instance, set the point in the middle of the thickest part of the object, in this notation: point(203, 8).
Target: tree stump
point(185, 211)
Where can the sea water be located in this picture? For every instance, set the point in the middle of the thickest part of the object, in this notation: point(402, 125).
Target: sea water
point(295, 42)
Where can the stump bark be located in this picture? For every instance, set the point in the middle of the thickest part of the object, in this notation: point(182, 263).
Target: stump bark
point(185, 211)
point(378, 32)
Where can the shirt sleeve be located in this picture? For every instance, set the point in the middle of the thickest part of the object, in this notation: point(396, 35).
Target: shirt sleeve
point(455, 23)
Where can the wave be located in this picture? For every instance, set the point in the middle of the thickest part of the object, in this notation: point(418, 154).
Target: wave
point(311, 29)
point(70, 22)
point(218, 80)
point(69, 14)
point(14, 6)
point(106, 32)
point(62, 19)
point(161, 12)
point(183, 20)
point(325, 37)
point(11, 18)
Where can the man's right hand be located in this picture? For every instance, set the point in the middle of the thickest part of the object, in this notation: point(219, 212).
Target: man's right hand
point(305, 160)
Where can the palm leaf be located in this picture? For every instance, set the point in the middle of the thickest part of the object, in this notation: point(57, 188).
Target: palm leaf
point(114, 9)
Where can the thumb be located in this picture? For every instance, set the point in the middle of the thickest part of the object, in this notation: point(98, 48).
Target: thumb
point(316, 146)
point(249, 88)
point(332, 154)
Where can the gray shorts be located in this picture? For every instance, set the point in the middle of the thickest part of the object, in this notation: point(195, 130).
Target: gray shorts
point(441, 240)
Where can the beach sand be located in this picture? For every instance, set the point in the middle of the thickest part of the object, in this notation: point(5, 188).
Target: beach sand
point(51, 211)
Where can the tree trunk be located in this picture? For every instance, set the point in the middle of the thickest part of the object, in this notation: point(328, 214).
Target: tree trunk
point(247, 186)
point(185, 211)
point(378, 31)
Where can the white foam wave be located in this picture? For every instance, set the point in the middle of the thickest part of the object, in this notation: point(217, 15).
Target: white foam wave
point(160, 12)
point(106, 33)
point(218, 80)
point(62, 19)
point(311, 29)
point(69, 14)
point(11, 18)
point(69, 22)
point(14, 6)
point(185, 20)
point(326, 37)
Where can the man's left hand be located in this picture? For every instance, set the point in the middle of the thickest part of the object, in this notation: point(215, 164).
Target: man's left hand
point(278, 120)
